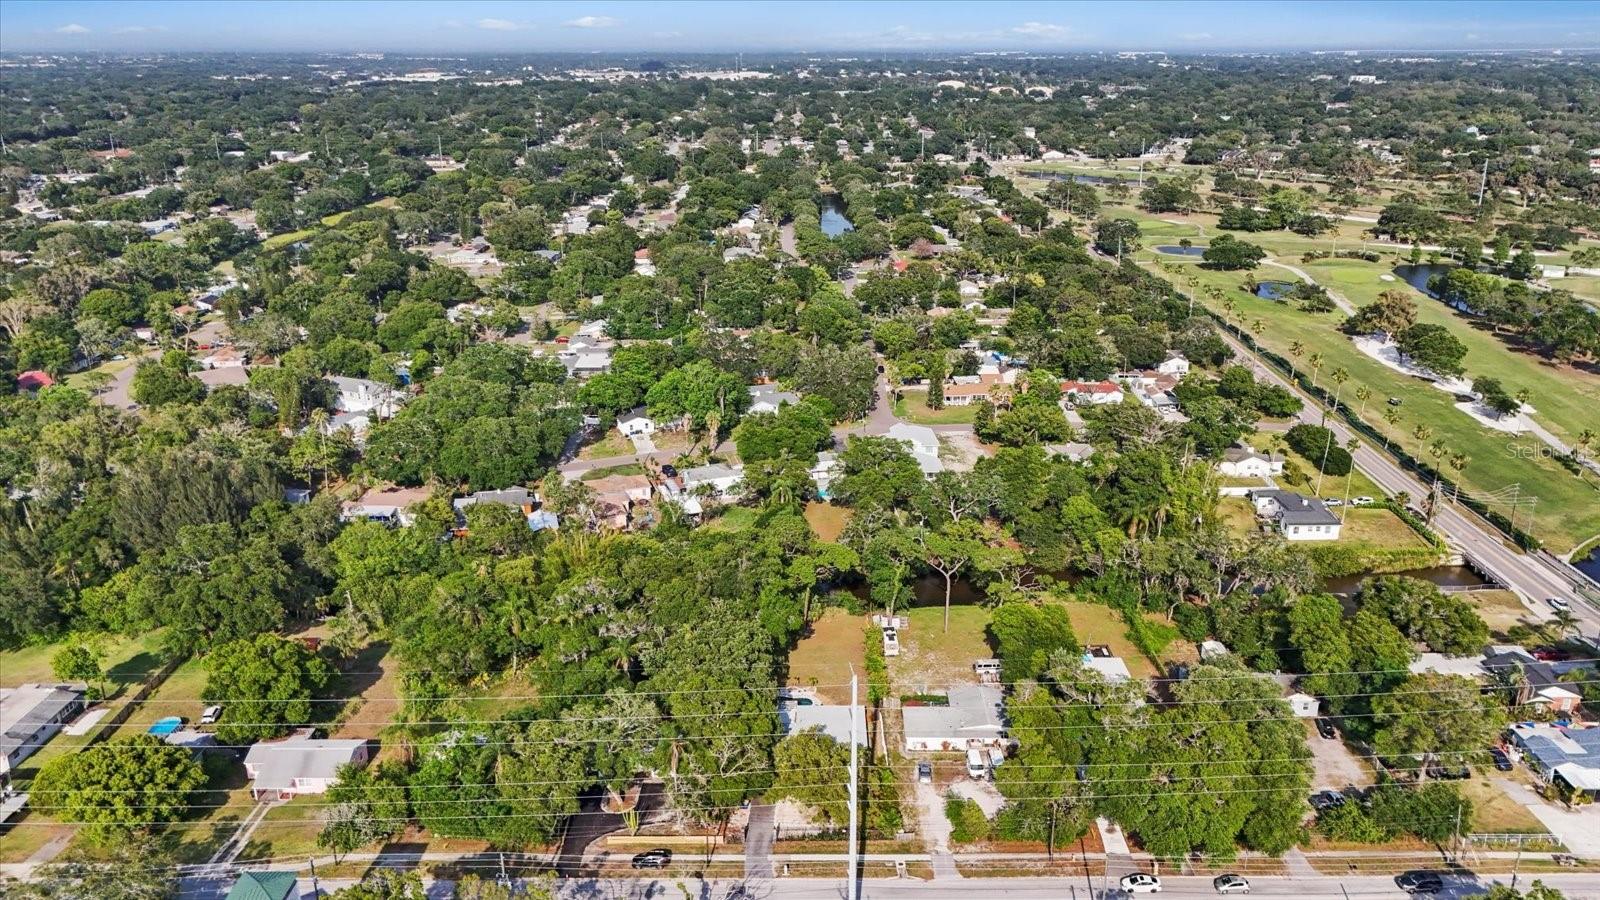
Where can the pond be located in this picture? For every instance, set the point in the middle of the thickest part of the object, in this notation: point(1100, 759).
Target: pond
point(1130, 180)
point(1417, 276)
point(1589, 565)
point(1175, 250)
point(1443, 576)
point(834, 221)
point(1274, 290)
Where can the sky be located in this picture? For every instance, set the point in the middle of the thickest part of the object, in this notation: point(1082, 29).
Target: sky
point(781, 25)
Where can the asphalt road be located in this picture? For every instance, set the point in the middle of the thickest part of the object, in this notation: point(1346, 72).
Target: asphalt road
point(1575, 886)
point(1531, 577)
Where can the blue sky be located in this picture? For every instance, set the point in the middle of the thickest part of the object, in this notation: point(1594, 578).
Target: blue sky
point(780, 25)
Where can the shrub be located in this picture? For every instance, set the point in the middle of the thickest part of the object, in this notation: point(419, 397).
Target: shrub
point(967, 822)
point(1351, 822)
point(1319, 446)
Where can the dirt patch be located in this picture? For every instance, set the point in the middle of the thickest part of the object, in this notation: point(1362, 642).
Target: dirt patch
point(826, 520)
point(822, 659)
point(986, 795)
point(960, 451)
point(1334, 766)
point(1500, 609)
point(931, 658)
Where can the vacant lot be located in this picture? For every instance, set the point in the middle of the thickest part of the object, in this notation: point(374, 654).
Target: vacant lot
point(127, 660)
point(932, 658)
point(1095, 624)
point(824, 657)
point(913, 406)
point(373, 681)
point(1379, 529)
point(826, 520)
point(1500, 609)
point(610, 444)
point(1495, 813)
point(1238, 515)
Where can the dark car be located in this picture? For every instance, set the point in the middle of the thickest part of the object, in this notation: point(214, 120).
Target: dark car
point(1395, 401)
point(1419, 882)
point(1326, 729)
point(1326, 800)
point(669, 470)
point(1502, 762)
point(653, 859)
point(1449, 773)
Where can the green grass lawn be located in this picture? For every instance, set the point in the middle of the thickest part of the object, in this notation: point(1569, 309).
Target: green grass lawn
point(608, 471)
point(127, 660)
point(1239, 515)
point(286, 238)
point(822, 659)
point(826, 520)
point(734, 518)
point(612, 443)
point(1568, 511)
point(1380, 529)
point(913, 407)
point(179, 695)
point(932, 658)
point(1094, 623)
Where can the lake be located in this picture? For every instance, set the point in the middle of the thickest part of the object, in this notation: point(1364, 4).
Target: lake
point(834, 221)
point(1589, 565)
point(1175, 250)
point(1417, 276)
point(1274, 290)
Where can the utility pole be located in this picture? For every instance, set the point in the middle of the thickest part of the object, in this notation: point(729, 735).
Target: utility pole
point(854, 886)
point(315, 890)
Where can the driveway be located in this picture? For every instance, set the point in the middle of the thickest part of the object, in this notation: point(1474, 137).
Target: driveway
point(1335, 767)
point(642, 443)
point(935, 829)
point(1578, 829)
point(758, 838)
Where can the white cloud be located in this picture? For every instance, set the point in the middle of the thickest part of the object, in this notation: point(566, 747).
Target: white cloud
point(498, 25)
point(1041, 30)
point(454, 23)
point(594, 22)
point(74, 28)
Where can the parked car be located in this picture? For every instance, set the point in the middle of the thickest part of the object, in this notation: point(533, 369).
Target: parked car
point(1332, 501)
point(1326, 729)
point(1395, 401)
point(1326, 800)
point(658, 858)
point(1231, 884)
point(1502, 761)
point(797, 701)
point(1363, 500)
point(1419, 882)
point(1141, 883)
point(669, 470)
point(210, 714)
point(925, 772)
point(1558, 604)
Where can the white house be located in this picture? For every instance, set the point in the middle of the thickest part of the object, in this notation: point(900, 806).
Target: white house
point(1111, 667)
point(833, 719)
point(223, 358)
point(1174, 365)
point(1094, 393)
point(390, 505)
point(972, 719)
point(1072, 451)
point(722, 480)
point(1244, 461)
point(636, 422)
point(1298, 518)
point(359, 395)
point(300, 765)
point(768, 398)
point(1304, 706)
point(824, 471)
point(923, 444)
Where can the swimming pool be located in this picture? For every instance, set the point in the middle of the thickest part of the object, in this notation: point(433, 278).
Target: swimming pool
point(163, 727)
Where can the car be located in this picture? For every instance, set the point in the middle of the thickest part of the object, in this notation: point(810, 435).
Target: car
point(1362, 501)
point(1419, 882)
point(1231, 884)
point(1322, 801)
point(1326, 729)
point(1395, 401)
point(1141, 883)
point(1558, 604)
point(1466, 398)
point(925, 773)
point(669, 470)
point(1502, 760)
point(1332, 501)
point(797, 701)
point(653, 859)
point(210, 714)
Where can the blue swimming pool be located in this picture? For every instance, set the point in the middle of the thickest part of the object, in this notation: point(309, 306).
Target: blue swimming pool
point(163, 727)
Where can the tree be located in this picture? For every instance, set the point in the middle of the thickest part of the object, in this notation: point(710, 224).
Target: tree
point(166, 382)
point(133, 870)
point(1229, 253)
point(1445, 622)
point(384, 884)
point(265, 686)
point(119, 787)
point(949, 549)
point(1429, 713)
point(79, 662)
point(366, 805)
point(1434, 348)
point(1116, 237)
point(813, 768)
point(1027, 635)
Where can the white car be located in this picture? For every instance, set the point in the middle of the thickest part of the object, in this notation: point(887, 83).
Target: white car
point(1558, 604)
point(210, 714)
point(1332, 501)
point(1362, 501)
point(1141, 883)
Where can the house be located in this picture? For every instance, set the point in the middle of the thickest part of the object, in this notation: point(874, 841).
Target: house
point(833, 719)
point(223, 377)
point(594, 331)
point(923, 444)
point(625, 489)
point(583, 361)
point(721, 481)
point(223, 358)
point(300, 765)
point(390, 505)
point(823, 472)
point(1175, 365)
point(769, 398)
point(297, 496)
point(1093, 393)
point(1537, 683)
point(265, 886)
point(636, 422)
point(1298, 518)
point(641, 262)
point(518, 498)
point(543, 520)
point(1072, 451)
point(735, 253)
point(1100, 659)
point(31, 714)
point(34, 379)
point(1244, 461)
point(1562, 754)
point(971, 719)
point(1303, 705)
point(288, 156)
point(359, 395)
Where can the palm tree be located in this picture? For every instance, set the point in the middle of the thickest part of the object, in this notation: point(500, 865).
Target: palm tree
point(1315, 360)
point(1363, 394)
point(1392, 417)
point(1339, 376)
point(1565, 622)
point(1296, 349)
point(1351, 446)
point(1458, 461)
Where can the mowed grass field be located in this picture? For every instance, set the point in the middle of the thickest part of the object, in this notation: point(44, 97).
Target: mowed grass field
point(1568, 510)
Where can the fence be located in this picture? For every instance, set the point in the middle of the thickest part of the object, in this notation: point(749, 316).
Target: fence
point(146, 688)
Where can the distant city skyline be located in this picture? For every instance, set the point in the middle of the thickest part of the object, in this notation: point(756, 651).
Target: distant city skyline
point(822, 26)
